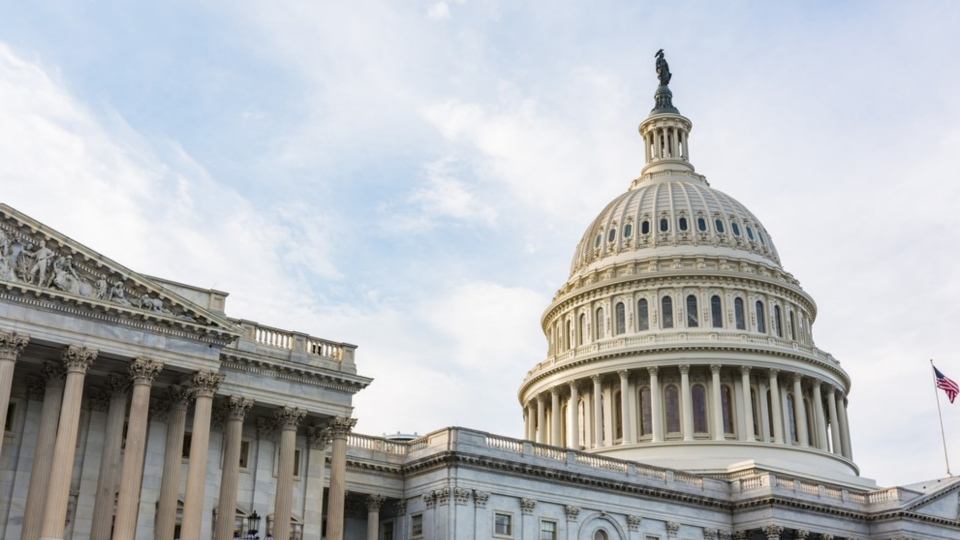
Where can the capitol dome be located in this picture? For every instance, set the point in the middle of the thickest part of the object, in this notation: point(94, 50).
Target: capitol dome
point(679, 340)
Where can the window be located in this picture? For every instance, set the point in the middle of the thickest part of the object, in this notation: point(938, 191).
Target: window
point(692, 311)
point(599, 239)
point(791, 420)
point(643, 314)
point(548, 530)
point(738, 314)
point(760, 236)
point(567, 336)
point(646, 418)
point(11, 414)
point(612, 235)
point(683, 224)
point(726, 399)
point(600, 323)
point(645, 227)
point(600, 535)
point(719, 225)
point(664, 225)
point(416, 526)
point(777, 321)
point(667, 306)
point(749, 232)
point(502, 524)
point(296, 463)
point(386, 530)
point(735, 228)
point(617, 415)
point(621, 318)
point(699, 409)
point(583, 328)
point(756, 413)
point(761, 327)
point(716, 312)
point(793, 327)
point(628, 230)
point(671, 399)
point(701, 224)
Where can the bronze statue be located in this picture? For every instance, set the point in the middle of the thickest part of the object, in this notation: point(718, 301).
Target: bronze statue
point(663, 69)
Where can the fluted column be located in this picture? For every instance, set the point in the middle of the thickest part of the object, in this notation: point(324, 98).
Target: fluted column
point(109, 475)
point(318, 437)
point(142, 373)
point(288, 419)
point(236, 409)
point(53, 376)
point(574, 409)
point(11, 345)
point(686, 403)
point(178, 401)
point(655, 404)
point(718, 431)
point(340, 428)
point(597, 412)
point(836, 447)
point(555, 417)
point(374, 502)
point(205, 385)
point(626, 419)
point(747, 403)
point(541, 420)
point(776, 414)
point(818, 415)
point(844, 426)
point(800, 409)
point(76, 362)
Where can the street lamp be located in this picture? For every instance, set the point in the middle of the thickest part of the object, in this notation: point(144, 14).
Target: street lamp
point(253, 525)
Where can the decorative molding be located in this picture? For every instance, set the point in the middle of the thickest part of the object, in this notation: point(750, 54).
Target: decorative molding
point(741, 535)
point(400, 507)
point(633, 523)
point(825, 536)
point(461, 495)
point(318, 437)
point(205, 383)
point(374, 502)
point(237, 407)
point(12, 344)
point(672, 529)
point(266, 428)
point(480, 498)
point(572, 512)
point(98, 398)
point(443, 496)
point(801, 534)
point(144, 370)
point(340, 427)
point(709, 534)
point(527, 505)
point(178, 397)
point(430, 499)
point(54, 375)
point(289, 418)
point(77, 358)
point(772, 532)
point(684, 369)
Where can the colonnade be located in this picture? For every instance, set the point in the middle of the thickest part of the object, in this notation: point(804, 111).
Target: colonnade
point(122, 460)
point(657, 404)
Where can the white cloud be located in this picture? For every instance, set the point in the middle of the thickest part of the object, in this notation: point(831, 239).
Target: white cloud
point(438, 11)
point(440, 196)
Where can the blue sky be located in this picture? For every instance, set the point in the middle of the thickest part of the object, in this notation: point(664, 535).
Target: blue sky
point(413, 176)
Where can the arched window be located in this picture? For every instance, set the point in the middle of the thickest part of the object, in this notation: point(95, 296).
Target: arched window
point(791, 420)
point(645, 227)
point(692, 311)
point(749, 232)
point(760, 236)
point(646, 418)
point(726, 401)
point(664, 224)
point(701, 224)
point(738, 314)
point(699, 409)
point(643, 314)
point(567, 335)
point(735, 228)
point(628, 230)
point(667, 308)
point(719, 225)
point(683, 224)
point(617, 416)
point(599, 239)
point(583, 328)
point(621, 318)
point(761, 327)
point(671, 406)
point(716, 312)
point(793, 327)
point(600, 535)
point(612, 235)
point(777, 321)
point(599, 323)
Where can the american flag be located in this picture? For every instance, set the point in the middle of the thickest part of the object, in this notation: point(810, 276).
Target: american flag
point(944, 383)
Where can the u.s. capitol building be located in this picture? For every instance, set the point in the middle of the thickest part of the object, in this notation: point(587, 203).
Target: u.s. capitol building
point(682, 397)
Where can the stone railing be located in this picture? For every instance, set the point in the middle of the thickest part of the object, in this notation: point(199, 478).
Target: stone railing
point(377, 444)
point(762, 482)
point(295, 345)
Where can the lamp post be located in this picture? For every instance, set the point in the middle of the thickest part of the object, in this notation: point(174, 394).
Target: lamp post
point(253, 525)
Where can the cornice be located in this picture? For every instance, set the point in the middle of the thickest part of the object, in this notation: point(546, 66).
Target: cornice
point(236, 361)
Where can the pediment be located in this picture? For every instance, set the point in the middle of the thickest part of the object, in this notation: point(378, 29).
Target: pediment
point(941, 502)
point(43, 265)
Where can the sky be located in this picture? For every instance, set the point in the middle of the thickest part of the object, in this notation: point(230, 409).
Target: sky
point(412, 177)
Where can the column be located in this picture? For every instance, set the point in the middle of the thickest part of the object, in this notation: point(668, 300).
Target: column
point(818, 415)
point(597, 412)
point(555, 417)
point(109, 473)
point(836, 447)
point(574, 409)
point(626, 419)
point(76, 362)
point(142, 373)
point(844, 426)
point(374, 502)
point(718, 431)
point(764, 420)
point(541, 421)
point(318, 438)
point(177, 401)
point(655, 404)
point(800, 410)
point(43, 459)
point(287, 419)
point(776, 413)
point(747, 403)
point(340, 428)
point(686, 403)
point(11, 345)
point(204, 385)
point(646, 148)
point(237, 409)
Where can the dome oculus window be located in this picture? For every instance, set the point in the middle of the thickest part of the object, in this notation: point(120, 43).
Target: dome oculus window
point(735, 228)
point(701, 224)
point(628, 230)
point(645, 227)
point(664, 225)
point(719, 224)
point(683, 224)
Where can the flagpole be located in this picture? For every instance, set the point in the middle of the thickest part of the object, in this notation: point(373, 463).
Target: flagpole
point(943, 437)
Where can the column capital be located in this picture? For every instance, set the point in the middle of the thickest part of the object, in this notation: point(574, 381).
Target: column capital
point(797, 377)
point(801, 534)
point(77, 358)
point(289, 417)
point(772, 532)
point(773, 372)
point(672, 529)
point(341, 426)
point(117, 387)
point(745, 370)
point(99, 399)
point(715, 369)
point(238, 407)
point(144, 371)
point(555, 391)
point(574, 385)
point(178, 397)
point(12, 344)
point(36, 388)
point(633, 522)
point(653, 370)
point(265, 428)
point(623, 373)
point(318, 437)
point(480, 498)
point(205, 383)
point(53, 375)
point(684, 369)
point(374, 502)
point(572, 512)
point(709, 534)
point(595, 378)
point(831, 390)
point(741, 535)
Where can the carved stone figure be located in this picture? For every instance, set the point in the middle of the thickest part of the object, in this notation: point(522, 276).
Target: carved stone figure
point(41, 262)
point(663, 69)
point(152, 304)
point(103, 288)
point(116, 294)
point(66, 279)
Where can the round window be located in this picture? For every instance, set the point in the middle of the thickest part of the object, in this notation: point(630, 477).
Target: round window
point(600, 535)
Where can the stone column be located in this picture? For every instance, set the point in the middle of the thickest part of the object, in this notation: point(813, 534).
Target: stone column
point(597, 412)
point(555, 417)
point(655, 404)
point(374, 502)
point(626, 419)
point(541, 420)
point(237, 409)
point(43, 459)
point(109, 473)
point(686, 403)
point(844, 426)
point(836, 447)
point(288, 419)
point(318, 438)
point(747, 403)
point(719, 432)
point(142, 373)
point(340, 428)
point(574, 409)
point(178, 400)
point(821, 422)
point(776, 413)
point(205, 385)
point(800, 409)
point(11, 345)
point(76, 361)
